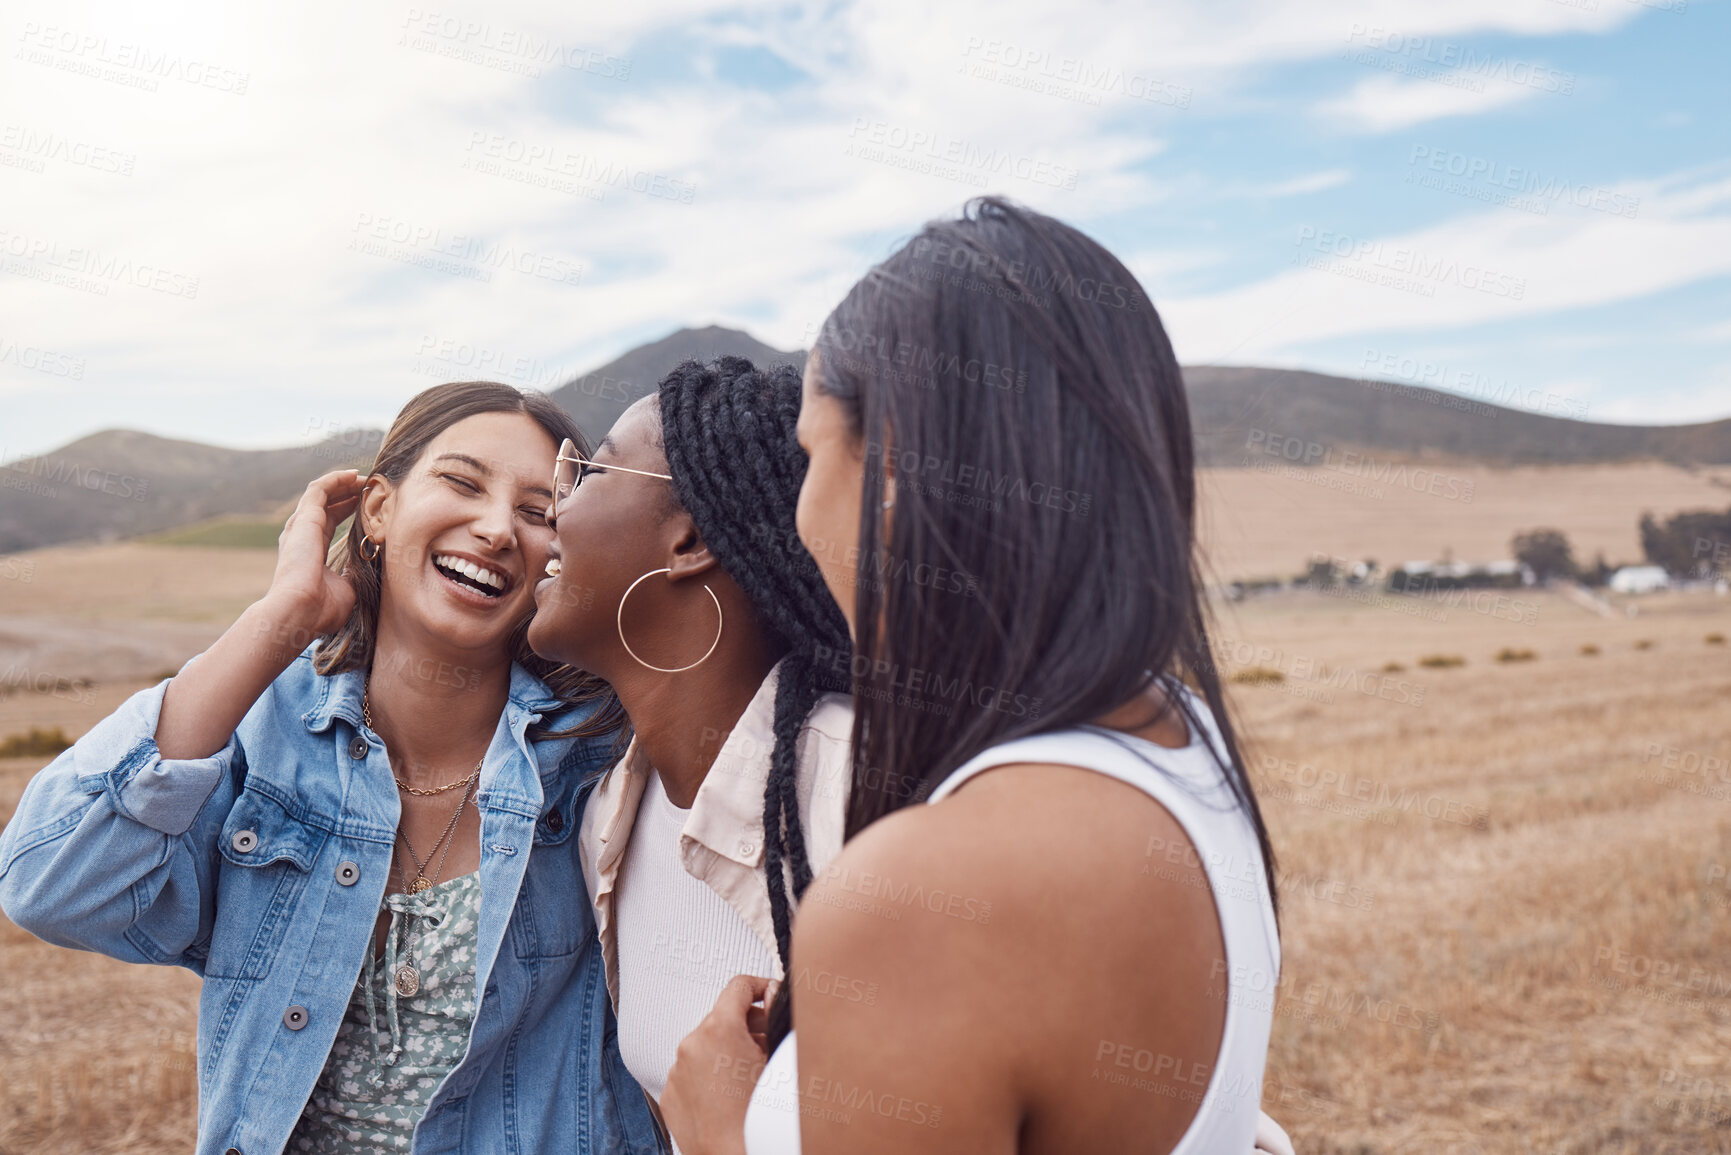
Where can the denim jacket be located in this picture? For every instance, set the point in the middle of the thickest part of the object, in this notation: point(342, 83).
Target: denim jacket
point(262, 867)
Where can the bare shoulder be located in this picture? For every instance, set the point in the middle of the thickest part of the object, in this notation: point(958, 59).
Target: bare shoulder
point(1020, 850)
point(986, 950)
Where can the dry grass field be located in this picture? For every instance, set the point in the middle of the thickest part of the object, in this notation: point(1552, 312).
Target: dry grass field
point(1265, 523)
point(1506, 883)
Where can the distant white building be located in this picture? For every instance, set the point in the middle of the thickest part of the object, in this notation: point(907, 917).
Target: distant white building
point(1640, 579)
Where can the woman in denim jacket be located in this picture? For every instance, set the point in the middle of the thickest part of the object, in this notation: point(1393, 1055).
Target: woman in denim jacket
point(387, 965)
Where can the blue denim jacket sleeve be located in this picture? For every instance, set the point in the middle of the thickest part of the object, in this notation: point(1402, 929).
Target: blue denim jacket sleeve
point(112, 847)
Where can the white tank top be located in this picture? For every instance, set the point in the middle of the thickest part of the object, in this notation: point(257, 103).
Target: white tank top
point(1190, 785)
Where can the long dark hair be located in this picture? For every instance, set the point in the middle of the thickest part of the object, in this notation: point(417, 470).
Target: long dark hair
point(428, 414)
point(727, 430)
point(1019, 384)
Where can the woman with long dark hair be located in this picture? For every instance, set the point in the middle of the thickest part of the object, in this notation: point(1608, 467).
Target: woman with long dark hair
point(348, 817)
point(1069, 919)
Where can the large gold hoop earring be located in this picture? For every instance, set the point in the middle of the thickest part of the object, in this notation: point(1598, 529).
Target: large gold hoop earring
point(619, 620)
point(366, 540)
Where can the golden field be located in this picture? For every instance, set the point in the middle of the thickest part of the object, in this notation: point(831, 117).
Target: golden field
point(1506, 913)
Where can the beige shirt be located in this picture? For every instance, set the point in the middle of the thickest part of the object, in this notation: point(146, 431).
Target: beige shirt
point(722, 843)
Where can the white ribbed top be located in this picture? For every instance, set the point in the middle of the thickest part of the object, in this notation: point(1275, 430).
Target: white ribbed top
point(1189, 784)
point(679, 943)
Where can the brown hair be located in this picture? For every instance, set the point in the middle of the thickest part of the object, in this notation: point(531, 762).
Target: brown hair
point(428, 414)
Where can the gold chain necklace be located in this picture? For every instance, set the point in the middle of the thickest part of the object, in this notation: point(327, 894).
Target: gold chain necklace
point(407, 976)
point(367, 717)
point(422, 882)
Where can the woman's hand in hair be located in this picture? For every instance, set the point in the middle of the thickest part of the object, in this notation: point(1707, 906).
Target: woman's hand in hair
point(710, 1085)
point(306, 594)
point(206, 701)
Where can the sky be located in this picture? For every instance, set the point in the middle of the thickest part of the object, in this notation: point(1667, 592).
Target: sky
point(258, 225)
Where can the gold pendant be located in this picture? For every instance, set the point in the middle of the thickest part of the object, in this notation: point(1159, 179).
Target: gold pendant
point(408, 980)
point(421, 883)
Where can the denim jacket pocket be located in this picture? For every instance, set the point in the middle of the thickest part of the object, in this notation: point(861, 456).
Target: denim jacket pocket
point(266, 855)
point(552, 917)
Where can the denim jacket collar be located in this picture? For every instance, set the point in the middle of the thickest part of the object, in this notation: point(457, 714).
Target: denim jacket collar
point(527, 700)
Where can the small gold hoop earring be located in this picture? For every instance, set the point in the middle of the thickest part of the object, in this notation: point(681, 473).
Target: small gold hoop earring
point(366, 540)
point(619, 620)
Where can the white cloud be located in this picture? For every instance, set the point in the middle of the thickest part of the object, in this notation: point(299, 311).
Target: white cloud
point(1309, 183)
point(1470, 270)
point(355, 119)
point(1383, 104)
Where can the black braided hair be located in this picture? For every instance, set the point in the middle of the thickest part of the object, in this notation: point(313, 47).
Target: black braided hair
point(728, 432)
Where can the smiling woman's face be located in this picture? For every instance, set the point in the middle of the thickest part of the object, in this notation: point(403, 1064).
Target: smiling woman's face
point(609, 532)
point(464, 533)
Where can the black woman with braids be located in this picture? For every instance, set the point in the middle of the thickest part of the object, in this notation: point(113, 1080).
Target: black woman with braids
point(677, 575)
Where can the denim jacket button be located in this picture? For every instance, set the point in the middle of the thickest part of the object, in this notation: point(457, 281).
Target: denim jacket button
point(243, 841)
point(555, 821)
point(348, 873)
point(232, 1151)
point(295, 1017)
point(358, 748)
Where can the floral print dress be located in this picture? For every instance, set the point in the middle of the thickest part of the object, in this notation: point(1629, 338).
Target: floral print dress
point(393, 1049)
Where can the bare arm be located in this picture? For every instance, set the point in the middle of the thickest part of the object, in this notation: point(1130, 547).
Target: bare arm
point(207, 701)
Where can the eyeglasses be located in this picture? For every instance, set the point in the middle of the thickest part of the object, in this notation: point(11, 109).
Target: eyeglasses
point(569, 468)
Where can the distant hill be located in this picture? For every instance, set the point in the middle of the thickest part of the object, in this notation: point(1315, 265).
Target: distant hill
point(121, 483)
point(1235, 412)
point(598, 397)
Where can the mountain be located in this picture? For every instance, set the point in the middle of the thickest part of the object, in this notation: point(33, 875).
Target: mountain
point(1238, 413)
point(598, 397)
point(120, 483)
point(123, 483)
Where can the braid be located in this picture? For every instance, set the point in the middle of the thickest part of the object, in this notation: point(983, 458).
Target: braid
point(728, 434)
